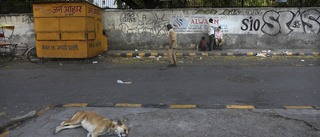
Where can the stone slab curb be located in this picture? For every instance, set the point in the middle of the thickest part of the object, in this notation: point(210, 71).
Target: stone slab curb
point(148, 54)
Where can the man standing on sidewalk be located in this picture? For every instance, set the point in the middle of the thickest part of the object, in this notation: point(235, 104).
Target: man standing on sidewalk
point(210, 29)
point(172, 46)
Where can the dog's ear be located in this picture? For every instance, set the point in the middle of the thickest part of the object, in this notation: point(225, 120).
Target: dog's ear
point(119, 122)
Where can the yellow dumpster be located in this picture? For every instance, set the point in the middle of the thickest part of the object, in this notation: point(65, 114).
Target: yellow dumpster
point(70, 29)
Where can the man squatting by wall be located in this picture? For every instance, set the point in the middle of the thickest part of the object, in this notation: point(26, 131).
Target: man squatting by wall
point(172, 46)
point(210, 29)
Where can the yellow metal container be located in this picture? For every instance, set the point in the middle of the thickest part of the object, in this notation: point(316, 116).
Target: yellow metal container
point(68, 30)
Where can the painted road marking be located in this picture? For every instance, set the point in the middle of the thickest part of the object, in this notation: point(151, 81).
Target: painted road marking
point(179, 54)
point(250, 53)
point(4, 134)
point(240, 106)
point(154, 54)
point(44, 110)
point(142, 54)
point(129, 54)
point(182, 106)
point(289, 54)
point(204, 54)
point(298, 107)
point(75, 105)
point(128, 105)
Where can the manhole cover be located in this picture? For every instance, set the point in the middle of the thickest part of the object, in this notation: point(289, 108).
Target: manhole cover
point(243, 79)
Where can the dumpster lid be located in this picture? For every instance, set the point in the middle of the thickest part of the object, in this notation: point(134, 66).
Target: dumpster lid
point(60, 1)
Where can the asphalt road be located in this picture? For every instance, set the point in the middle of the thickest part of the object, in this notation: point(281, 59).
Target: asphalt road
point(266, 83)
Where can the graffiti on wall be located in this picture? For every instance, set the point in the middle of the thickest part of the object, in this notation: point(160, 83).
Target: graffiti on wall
point(286, 22)
point(144, 21)
point(251, 21)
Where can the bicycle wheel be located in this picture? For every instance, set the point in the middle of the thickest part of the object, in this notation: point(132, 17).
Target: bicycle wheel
point(7, 58)
point(32, 55)
point(8, 53)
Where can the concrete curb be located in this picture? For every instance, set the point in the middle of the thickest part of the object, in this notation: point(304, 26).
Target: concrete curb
point(161, 105)
point(148, 54)
point(165, 106)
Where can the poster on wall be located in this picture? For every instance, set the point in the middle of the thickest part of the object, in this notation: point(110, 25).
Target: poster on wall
point(229, 24)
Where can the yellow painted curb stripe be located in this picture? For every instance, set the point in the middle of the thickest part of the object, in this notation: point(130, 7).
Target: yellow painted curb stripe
point(217, 54)
point(179, 54)
point(75, 105)
point(230, 54)
point(142, 54)
point(240, 107)
point(129, 54)
point(274, 54)
point(128, 105)
point(302, 54)
point(315, 53)
point(182, 106)
point(4, 134)
point(44, 110)
point(117, 54)
point(298, 107)
point(250, 53)
point(154, 54)
point(192, 54)
point(165, 54)
point(205, 54)
point(264, 54)
point(289, 54)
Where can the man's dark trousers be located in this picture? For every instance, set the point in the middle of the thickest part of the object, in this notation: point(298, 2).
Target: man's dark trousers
point(211, 42)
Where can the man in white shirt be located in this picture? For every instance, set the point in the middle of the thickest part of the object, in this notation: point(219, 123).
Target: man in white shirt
point(210, 29)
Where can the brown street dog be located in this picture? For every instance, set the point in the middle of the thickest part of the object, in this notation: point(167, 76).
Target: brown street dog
point(95, 124)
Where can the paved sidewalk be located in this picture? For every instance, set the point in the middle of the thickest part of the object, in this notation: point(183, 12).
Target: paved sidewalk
point(226, 52)
point(158, 122)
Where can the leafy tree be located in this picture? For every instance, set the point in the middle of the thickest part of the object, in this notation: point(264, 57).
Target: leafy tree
point(14, 6)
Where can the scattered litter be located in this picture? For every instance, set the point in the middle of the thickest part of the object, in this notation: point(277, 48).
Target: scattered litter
point(200, 57)
point(138, 57)
point(303, 61)
point(3, 114)
point(152, 57)
point(260, 55)
point(181, 62)
point(285, 52)
point(310, 64)
point(159, 57)
point(60, 64)
point(121, 82)
point(182, 58)
point(265, 51)
point(136, 50)
point(134, 58)
point(95, 62)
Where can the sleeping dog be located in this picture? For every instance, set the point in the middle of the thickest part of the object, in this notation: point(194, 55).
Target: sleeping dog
point(95, 124)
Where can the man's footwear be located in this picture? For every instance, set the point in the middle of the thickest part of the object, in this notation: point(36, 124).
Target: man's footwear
point(174, 65)
point(171, 65)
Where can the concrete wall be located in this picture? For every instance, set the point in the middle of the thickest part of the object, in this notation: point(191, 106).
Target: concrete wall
point(259, 28)
point(24, 27)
